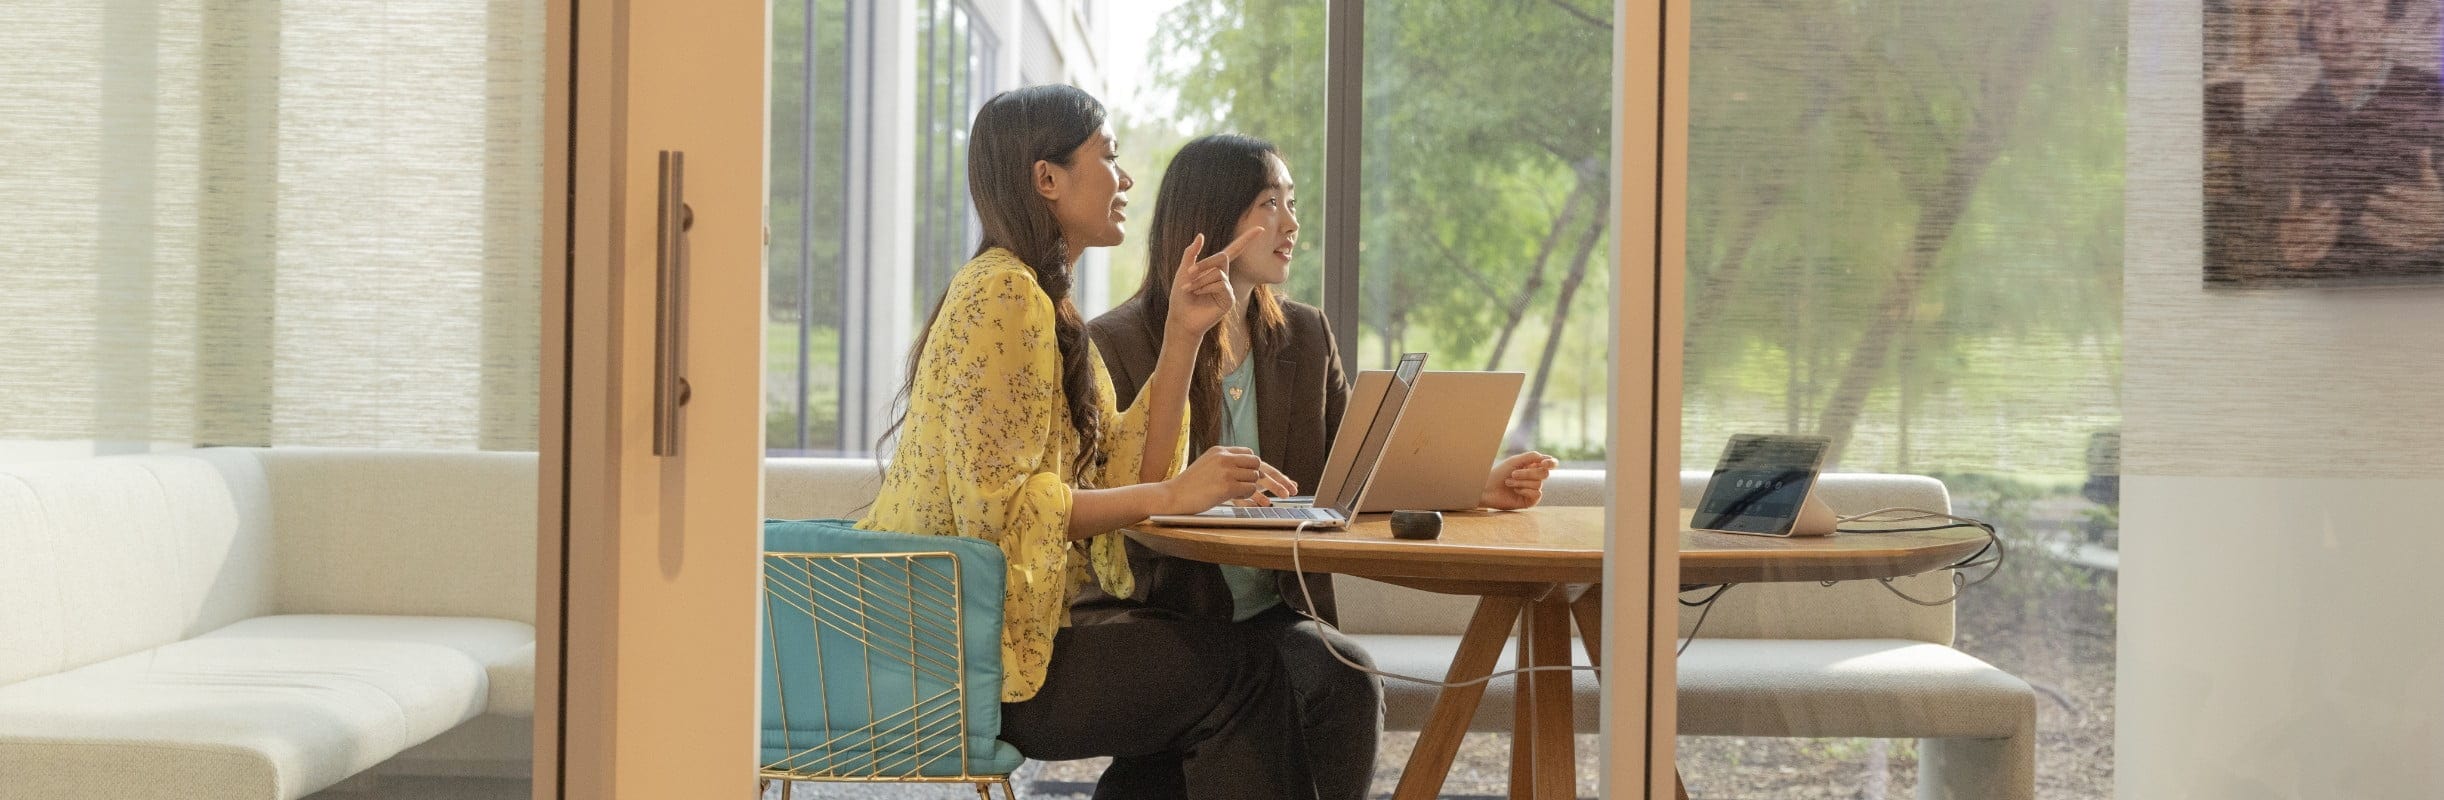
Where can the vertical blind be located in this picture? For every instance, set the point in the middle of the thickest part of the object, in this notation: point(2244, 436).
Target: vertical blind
point(234, 222)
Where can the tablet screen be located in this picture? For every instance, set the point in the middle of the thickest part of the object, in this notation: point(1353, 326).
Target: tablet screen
point(1758, 486)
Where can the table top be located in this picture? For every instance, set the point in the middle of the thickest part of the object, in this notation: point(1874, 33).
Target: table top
point(1560, 544)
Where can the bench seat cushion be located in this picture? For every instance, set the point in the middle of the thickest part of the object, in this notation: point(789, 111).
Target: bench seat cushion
point(506, 648)
point(1884, 688)
point(271, 708)
point(1876, 688)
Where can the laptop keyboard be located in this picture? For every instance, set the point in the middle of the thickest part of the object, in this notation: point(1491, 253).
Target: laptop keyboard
point(1267, 512)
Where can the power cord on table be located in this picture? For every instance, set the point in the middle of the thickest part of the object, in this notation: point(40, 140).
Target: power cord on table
point(1705, 606)
point(1526, 632)
point(1960, 584)
point(1297, 567)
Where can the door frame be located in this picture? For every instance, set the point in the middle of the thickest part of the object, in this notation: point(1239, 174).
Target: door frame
point(1642, 548)
point(649, 579)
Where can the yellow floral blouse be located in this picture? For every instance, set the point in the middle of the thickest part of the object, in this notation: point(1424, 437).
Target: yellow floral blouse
point(986, 452)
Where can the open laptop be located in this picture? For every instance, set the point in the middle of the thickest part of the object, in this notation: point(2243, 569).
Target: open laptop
point(1449, 433)
point(1366, 425)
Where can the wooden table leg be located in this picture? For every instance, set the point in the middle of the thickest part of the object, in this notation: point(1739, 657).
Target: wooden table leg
point(1588, 609)
point(1544, 752)
point(1439, 741)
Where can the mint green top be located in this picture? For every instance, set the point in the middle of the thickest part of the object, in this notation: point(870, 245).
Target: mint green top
point(1252, 589)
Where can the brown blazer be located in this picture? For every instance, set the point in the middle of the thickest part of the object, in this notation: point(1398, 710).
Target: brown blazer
point(1300, 393)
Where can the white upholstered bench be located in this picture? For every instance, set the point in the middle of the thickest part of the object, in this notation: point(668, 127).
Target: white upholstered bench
point(252, 624)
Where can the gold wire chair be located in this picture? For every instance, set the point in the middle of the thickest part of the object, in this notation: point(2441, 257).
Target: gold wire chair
point(871, 651)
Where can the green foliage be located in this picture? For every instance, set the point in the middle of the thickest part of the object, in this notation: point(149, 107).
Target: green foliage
point(1904, 218)
point(781, 387)
point(1902, 214)
point(1486, 144)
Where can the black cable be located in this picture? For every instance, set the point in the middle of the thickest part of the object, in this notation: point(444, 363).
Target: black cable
point(1944, 527)
point(1708, 603)
point(1994, 544)
point(1719, 589)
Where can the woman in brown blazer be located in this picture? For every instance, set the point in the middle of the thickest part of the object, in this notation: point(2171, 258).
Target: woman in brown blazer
point(1269, 378)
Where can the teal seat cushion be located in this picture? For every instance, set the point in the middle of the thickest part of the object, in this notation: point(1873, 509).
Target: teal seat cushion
point(858, 654)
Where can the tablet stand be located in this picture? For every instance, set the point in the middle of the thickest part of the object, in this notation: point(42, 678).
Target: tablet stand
point(1815, 518)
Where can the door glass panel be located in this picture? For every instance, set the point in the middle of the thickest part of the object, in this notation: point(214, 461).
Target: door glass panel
point(1905, 234)
point(269, 401)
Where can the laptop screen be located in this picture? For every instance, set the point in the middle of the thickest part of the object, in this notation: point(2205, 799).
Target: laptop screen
point(1378, 432)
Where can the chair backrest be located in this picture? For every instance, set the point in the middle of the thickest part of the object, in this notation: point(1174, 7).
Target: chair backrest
point(1851, 610)
point(882, 654)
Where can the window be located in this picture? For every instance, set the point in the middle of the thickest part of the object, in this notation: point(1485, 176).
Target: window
point(1905, 233)
point(835, 202)
point(956, 70)
point(869, 209)
point(1483, 231)
point(809, 149)
point(1259, 70)
point(1485, 204)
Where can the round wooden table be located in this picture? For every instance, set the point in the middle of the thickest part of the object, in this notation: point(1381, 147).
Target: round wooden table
point(1536, 572)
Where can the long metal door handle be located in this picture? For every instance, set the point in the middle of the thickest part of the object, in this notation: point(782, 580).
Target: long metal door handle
point(672, 221)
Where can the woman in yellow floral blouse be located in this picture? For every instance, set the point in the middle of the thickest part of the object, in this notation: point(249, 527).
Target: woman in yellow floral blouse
point(1010, 435)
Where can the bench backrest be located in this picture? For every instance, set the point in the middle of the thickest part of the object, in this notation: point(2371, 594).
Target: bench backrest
point(108, 556)
point(819, 488)
point(102, 557)
point(418, 532)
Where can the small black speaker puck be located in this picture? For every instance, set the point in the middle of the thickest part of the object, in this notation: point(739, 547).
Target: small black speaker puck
point(1417, 524)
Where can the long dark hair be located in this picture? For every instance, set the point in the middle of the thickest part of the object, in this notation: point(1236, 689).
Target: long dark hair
point(1014, 130)
point(1206, 190)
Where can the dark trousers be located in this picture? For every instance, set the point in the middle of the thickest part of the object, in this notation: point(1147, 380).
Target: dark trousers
point(1340, 712)
point(1212, 697)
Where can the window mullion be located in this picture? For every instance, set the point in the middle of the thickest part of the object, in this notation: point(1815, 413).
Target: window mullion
point(1344, 118)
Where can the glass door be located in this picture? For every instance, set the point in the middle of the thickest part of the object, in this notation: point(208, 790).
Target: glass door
point(269, 398)
point(1905, 234)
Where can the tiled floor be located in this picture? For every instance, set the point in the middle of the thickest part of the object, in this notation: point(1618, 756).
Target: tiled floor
point(401, 788)
point(1482, 771)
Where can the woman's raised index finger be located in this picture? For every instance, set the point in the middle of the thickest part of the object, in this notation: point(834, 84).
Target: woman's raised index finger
point(1242, 243)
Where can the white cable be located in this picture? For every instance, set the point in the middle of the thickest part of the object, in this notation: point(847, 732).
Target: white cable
point(1298, 569)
